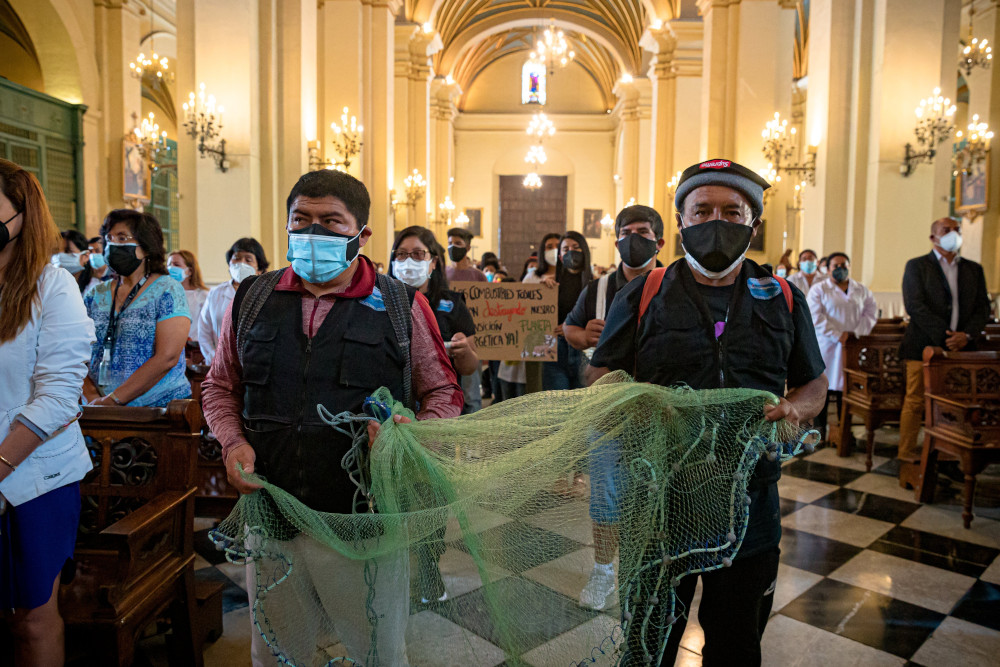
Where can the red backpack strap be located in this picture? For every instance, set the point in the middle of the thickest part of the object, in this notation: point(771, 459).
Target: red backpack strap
point(785, 289)
point(649, 290)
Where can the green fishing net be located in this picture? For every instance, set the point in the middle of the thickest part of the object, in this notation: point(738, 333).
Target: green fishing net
point(485, 521)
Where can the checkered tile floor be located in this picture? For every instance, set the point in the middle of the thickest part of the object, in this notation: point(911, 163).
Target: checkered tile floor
point(867, 576)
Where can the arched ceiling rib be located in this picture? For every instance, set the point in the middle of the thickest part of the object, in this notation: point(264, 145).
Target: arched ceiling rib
point(463, 23)
point(596, 59)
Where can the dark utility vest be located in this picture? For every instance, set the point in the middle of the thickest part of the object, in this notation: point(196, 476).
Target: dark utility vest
point(676, 343)
point(286, 374)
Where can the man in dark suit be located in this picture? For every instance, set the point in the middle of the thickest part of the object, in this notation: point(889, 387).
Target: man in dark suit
point(946, 299)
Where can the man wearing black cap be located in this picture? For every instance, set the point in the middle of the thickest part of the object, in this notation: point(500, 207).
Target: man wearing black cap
point(716, 319)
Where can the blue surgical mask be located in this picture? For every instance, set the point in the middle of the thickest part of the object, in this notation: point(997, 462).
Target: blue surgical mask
point(177, 273)
point(97, 261)
point(808, 266)
point(319, 255)
point(69, 261)
point(781, 272)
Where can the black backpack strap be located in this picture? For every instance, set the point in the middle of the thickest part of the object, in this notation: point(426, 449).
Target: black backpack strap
point(397, 307)
point(248, 302)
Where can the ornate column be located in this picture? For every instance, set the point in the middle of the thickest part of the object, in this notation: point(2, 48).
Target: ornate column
point(627, 111)
point(718, 102)
point(414, 47)
point(443, 114)
point(119, 21)
point(906, 65)
point(663, 76)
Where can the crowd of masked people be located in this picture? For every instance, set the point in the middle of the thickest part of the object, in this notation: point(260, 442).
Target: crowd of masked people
point(106, 321)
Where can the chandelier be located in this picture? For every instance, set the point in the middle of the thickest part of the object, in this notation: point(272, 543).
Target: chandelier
point(540, 126)
point(935, 123)
point(462, 220)
point(770, 174)
point(552, 49)
point(156, 67)
point(672, 185)
point(608, 223)
point(346, 144)
point(152, 142)
point(780, 146)
point(971, 150)
point(203, 122)
point(976, 53)
point(536, 155)
point(447, 208)
point(532, 181)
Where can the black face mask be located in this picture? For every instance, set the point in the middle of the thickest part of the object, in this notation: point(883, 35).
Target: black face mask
point(457, 254)
point(716, 244)
point(573, 260)
point(5, 236)
point(122, 259)
point(636, 251)
point(840, 273)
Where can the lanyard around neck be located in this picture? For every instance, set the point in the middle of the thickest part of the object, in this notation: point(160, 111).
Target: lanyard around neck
point(113, 318)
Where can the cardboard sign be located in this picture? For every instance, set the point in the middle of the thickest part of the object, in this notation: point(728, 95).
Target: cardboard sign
point(514, 321)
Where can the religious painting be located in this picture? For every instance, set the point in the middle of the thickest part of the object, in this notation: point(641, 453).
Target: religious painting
point(971, 187)
point(475, 225)
point(135, 171)
point(592, 222)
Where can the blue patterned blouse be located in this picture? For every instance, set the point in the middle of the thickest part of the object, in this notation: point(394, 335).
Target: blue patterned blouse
point(162, 300)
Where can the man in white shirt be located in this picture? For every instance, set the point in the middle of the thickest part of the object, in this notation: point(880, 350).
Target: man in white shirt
point(245, 258)
point(946, 298)
point(840, 306)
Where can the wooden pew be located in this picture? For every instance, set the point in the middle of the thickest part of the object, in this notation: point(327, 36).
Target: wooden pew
point(214, 497)
point(889, 325)
point(961, 419)
point(874, 387)
point(134, 551)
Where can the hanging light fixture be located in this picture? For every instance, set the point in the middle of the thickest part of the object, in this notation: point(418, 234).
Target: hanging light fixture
point(976, 52)
point(552, 49)
point(532, 181)
point(157, 67)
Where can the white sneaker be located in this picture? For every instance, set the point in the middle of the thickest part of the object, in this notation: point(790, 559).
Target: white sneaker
point(596, 594)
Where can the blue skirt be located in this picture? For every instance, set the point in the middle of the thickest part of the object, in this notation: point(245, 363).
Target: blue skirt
point(36, 541)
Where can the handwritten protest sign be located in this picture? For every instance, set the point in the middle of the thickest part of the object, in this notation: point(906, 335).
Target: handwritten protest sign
point(514, 321)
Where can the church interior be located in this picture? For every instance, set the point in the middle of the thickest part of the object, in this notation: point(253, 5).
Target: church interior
point(511, 119)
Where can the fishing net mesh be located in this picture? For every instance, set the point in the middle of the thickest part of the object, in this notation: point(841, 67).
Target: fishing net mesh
point(493, 512)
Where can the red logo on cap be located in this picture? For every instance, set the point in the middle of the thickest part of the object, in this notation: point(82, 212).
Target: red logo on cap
point(715, 164)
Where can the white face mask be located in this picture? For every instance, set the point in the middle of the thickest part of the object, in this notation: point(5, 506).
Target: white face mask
point(950, 242)
point(412, 272)
point(552, 256)
point(712, 275)
point(240, 271)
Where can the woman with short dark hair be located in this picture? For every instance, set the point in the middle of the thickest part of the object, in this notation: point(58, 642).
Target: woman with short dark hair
point(142, 319)
point(245, 258)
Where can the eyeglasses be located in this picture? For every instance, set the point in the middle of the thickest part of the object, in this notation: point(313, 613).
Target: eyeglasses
point(120, 238)
point(418, 254)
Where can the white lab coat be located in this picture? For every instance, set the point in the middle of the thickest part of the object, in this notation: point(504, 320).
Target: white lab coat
point(195, 299)
point(833, 313)
point(210, 322)
point(799, 280)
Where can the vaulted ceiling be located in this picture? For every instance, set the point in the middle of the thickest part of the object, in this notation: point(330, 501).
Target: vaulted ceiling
point(604, 33)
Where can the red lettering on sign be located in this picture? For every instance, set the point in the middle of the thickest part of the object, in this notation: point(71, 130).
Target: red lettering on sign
point(715, 164)
point(496, 310)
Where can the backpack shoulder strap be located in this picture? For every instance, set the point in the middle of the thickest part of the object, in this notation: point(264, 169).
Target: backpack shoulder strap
point(649, 290)
point(397, 307)
point(248, 302)
point(602, 297)
point(787, 291)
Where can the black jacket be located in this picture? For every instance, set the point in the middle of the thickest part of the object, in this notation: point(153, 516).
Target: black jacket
point(928, 303)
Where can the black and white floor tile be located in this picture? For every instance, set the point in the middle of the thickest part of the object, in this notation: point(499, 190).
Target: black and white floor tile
point(867, 576)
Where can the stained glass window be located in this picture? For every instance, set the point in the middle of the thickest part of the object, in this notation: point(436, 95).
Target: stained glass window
point(533, 83)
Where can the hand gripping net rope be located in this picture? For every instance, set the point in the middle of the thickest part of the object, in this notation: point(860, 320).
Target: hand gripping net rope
point(485, 508)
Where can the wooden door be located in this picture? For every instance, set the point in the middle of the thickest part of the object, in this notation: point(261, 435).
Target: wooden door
point(527, 215)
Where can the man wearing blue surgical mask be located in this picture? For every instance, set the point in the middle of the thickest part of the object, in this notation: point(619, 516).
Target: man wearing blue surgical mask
point(328, 330)
point(945, 296)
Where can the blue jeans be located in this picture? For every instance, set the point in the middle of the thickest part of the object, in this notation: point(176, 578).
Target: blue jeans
point(564, 373)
